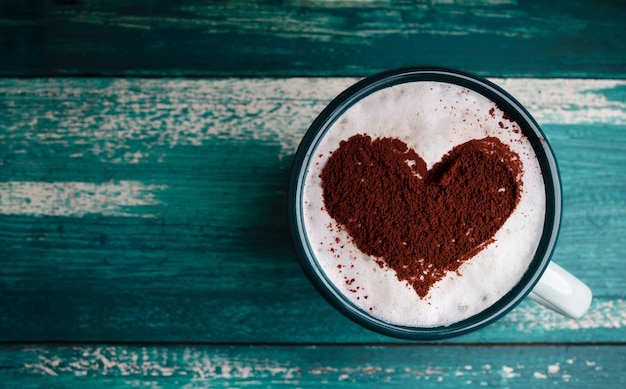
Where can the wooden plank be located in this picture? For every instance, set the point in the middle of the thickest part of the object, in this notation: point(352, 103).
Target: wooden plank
point(166, 366)
point(153, 210)
point(160, 37)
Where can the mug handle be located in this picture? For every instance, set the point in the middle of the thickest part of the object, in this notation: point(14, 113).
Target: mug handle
point(560, 291)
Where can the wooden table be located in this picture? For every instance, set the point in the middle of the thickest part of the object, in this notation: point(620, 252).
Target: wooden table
point(144, 155)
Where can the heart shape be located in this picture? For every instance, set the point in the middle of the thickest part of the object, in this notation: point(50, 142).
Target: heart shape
point(421, 223)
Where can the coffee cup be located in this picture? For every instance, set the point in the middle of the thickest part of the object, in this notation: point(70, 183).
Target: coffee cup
point(425, 203)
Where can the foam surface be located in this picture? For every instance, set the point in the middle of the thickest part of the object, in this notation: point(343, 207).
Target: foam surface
point(431, 118)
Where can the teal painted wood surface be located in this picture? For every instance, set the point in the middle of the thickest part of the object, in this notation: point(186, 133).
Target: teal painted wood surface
point(142, 220)
point(153, 210)
point(106, 366)
point(330, 38)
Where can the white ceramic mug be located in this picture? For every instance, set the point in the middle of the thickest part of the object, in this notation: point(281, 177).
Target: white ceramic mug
point(544, 282)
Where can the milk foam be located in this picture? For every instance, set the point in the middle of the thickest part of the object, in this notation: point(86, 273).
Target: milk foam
point(431, 118)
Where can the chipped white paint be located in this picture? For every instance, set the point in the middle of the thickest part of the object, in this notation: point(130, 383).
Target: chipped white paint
point(130, 121)
point(325, 26)
point(569, 101)
point(117, 361)
point(530, 317)
point(508, 372)
point(43, 367)
point(244, 366)
point(140, 120)
point(553, 369)
point(122, 198)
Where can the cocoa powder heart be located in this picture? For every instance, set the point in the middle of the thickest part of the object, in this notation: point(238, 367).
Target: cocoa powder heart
point(421, 223)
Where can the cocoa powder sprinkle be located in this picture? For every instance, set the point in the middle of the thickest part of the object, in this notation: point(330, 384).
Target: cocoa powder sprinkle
point(421, 223)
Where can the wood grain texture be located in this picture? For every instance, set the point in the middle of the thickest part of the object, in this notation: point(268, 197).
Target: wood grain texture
point(154, 210)
point(160, 37)
point(107, 366)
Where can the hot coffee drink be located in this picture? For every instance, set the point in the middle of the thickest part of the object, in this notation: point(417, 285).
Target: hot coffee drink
point(423, 203)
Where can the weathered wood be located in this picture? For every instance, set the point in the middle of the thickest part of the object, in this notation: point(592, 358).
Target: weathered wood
point(154, 210)
point(160, 37)
point(106, 366)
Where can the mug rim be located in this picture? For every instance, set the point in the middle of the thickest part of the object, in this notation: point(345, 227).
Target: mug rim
point(335, 109)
